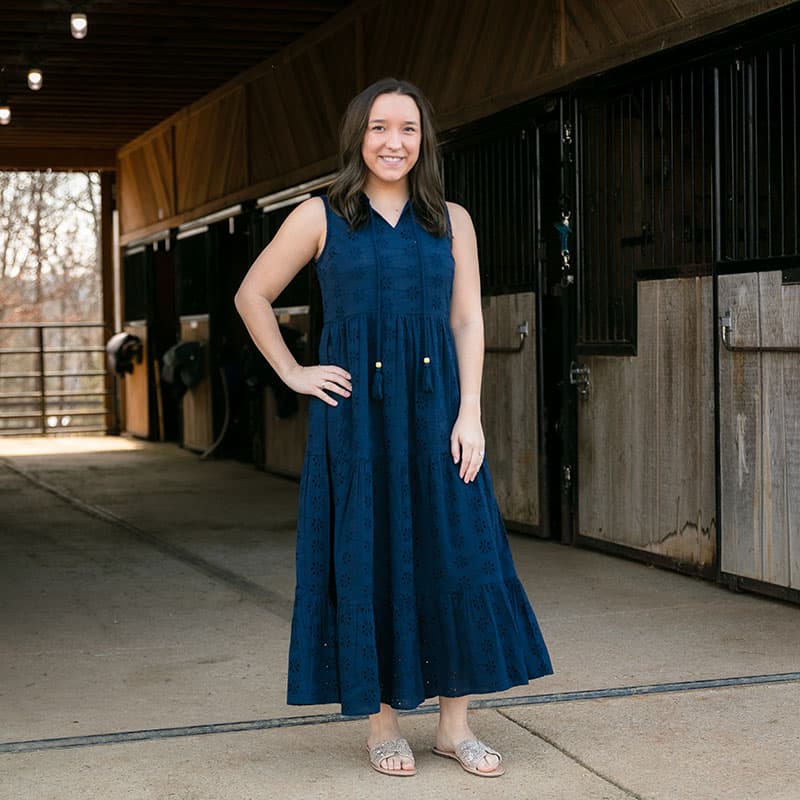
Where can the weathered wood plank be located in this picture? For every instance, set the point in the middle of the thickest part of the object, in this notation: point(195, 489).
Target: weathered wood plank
point(775, 488)
point(790, 303)
point(740, 431)
point(684, 510)
point(510, 408)
point(645, 440)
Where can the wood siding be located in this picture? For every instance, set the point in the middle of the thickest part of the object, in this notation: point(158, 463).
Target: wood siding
point(760, 430)
point(646, 431)
point(211, 150)
point(510, 409)
point(146, 183)
point(275, 125)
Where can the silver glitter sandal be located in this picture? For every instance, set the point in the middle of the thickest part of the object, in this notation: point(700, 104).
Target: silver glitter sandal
point(470, 753)
point(391, 748)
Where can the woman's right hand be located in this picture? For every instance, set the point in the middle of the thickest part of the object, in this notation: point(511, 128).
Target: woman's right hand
point(319, 380)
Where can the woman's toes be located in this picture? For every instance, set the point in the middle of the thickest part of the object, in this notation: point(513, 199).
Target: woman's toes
point(489, 764)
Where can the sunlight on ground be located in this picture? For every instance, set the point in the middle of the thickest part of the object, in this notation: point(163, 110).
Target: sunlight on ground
point(58, 445)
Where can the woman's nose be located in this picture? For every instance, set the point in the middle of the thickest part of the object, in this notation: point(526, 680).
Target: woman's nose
point(393, 139)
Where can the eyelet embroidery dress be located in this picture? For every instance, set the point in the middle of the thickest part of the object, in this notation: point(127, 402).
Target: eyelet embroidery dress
point(405, 584)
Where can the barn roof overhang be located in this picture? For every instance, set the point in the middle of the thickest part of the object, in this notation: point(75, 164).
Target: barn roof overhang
point(141, 61)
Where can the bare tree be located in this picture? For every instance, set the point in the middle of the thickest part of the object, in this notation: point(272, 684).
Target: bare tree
point(49, 270)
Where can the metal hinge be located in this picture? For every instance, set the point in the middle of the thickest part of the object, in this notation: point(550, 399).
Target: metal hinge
point(579, 377)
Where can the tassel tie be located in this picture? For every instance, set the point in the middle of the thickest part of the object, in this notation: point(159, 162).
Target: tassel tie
point(425, 380)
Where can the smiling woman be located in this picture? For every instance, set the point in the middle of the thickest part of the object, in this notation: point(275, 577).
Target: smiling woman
point(405, 584)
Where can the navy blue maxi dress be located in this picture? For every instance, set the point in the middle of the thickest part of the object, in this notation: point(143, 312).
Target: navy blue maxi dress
point(405, 584)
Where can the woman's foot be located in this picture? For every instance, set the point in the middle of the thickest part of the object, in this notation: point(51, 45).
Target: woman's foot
point(387, 754)
point(453, 730)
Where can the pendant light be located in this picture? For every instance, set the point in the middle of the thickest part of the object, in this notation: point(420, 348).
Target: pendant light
point(35, 79)
point(78, 25)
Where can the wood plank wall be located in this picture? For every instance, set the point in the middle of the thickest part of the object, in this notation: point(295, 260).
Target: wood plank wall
point(510, 408)
point(276, 124)
point(646, 431)
point(760, 431)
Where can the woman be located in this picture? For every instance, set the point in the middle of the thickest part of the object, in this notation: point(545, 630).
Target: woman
point(405, 584)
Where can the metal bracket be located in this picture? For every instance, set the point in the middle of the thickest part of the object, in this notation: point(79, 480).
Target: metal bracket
point(522, 330)
point(726, 333)
point(579, 377)
point(564, 231)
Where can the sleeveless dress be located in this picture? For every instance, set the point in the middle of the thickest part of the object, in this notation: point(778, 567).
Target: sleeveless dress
point(405, 584)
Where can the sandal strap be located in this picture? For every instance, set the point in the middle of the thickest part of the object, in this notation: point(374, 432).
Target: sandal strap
point(390, 748)
point(472, 751)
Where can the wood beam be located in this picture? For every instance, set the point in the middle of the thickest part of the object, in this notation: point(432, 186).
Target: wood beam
point(59, 159)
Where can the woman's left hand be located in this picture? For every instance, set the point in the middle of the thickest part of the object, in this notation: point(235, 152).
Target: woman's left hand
point(467, 444)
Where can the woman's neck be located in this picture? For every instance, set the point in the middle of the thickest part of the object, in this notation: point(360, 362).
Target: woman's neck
point(382, 195)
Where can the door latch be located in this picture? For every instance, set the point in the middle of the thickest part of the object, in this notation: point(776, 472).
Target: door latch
point(579, 377)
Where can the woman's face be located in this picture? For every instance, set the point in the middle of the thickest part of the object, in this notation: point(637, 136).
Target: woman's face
point(393, 137)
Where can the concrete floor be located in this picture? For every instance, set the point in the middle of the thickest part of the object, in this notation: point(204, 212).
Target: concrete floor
point(144, 590)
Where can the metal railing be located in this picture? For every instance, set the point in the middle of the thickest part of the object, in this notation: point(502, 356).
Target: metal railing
point(74, 395)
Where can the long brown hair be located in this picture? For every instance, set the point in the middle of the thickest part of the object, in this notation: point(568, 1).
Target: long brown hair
point(425, 178)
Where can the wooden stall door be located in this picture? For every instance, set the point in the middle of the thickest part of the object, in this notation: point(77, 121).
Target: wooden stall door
point(136, 387)
point(197, 414)
point(510, 403)
point(646, 433)
point(759, 408)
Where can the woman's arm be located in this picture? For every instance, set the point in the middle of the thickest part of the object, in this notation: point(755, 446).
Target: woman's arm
point(466, 322)
point(298, 240)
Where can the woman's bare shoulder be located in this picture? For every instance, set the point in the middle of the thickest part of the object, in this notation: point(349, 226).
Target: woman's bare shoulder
point(310, 212)
point(460, 220)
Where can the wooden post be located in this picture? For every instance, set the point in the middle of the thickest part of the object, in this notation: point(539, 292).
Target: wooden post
point(107, 183)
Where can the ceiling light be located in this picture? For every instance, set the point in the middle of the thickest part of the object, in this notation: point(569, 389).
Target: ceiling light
point(5, 112)
point(78, 25)
point(35, 79)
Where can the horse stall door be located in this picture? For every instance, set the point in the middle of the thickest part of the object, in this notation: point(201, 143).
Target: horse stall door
point(138, 387)
point(493, 171)
point(194, 289)
point(758, 302)
point(643, 370)
point(759, 408)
